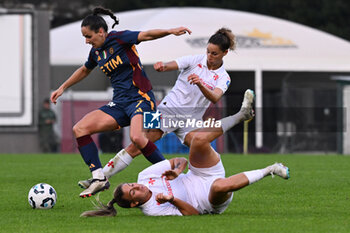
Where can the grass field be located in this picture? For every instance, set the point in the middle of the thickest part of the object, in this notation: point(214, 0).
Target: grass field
point(315, 199)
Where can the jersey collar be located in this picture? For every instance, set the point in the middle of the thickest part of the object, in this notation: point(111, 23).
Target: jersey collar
point(147, 203)
point(204, 64)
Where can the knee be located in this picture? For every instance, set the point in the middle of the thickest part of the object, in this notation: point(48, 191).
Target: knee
point(199, 138)
point(188, 139)
point(80, 131)
point(138, 140)
point(218, 187)
point(77, 130)
point(224, 185)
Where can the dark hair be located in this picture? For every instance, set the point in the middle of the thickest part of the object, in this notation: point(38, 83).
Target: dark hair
point(108, 210)
point(95, 22)
point(118, 196)
point(224, 38)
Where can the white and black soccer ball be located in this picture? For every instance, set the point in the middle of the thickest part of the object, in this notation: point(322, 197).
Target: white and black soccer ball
point(42, 196)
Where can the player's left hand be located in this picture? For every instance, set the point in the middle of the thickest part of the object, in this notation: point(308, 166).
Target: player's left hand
point(180, 31)
point(170, 174)
point(161, 198)
point(194, 79)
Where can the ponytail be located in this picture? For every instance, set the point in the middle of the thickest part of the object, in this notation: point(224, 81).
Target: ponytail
point(102, 210)
point(224, 38)
point(95, 21)
point(101, 10)
point(108, 210)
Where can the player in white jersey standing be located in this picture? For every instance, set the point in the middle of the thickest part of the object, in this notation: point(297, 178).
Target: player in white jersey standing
point(202, 80)
point(162, 189)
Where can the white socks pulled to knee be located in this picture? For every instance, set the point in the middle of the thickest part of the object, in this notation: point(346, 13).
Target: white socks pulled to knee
point(230, 121)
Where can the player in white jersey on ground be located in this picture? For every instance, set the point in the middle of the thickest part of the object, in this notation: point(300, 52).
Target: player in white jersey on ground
point(202, 80)
point(162, 189)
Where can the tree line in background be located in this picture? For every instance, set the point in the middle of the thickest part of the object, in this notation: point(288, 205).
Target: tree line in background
point(331, 16)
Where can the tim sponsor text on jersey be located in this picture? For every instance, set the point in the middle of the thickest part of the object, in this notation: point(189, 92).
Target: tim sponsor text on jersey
point(111, 65)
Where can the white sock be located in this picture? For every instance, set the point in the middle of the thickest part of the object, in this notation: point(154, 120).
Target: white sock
point(230, 121)
point(267, 170)
point(120, 161)
point(98, 174)
point(255, 175)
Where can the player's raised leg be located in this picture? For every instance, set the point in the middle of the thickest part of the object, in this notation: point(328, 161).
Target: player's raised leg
point(202, 155)
point(245, 113)
point(123, 158)
point(94, 122)
point(222, 188)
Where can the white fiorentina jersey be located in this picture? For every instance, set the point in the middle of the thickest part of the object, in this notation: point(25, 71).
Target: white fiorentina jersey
point(152, 178)
point(187, 98)
point(191, 188)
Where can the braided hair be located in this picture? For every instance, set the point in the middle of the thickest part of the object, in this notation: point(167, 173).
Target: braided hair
point(224, 38)
point(94, 21)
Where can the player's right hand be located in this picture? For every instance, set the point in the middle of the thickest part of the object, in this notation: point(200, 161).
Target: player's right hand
point(55, 95)
point(161, 198)
point(180, 31)
point(194, 79)
point(159, 66)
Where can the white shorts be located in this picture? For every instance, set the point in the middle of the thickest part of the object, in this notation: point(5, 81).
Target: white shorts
point(198, 182)
point(171, 115)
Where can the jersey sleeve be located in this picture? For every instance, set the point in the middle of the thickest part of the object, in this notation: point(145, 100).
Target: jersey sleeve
point(224, 83)
point(90, 63)
point(186, 61)
point(156, 170)
point(126, 37)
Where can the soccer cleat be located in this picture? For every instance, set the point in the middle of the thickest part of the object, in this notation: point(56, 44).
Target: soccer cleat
point(85, 183)
point(280, 170)
point(247, 105)
point(95, 187)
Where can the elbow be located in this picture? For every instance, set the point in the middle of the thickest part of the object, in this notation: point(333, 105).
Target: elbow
point(216, 95)
point(184, 160)
point(188, 213)
point(194, 212)
point(214, 100)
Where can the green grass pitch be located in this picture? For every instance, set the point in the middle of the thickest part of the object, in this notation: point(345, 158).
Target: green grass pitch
point(315, 199)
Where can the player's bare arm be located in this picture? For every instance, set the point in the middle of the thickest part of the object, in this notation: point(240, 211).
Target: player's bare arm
point(169, 66)
point(178, 165)
point(159, 33)
point(212, 95)
point(183, 207)
point(81, 73)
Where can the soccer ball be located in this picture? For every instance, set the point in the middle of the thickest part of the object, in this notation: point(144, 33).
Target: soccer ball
point(42, 196)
